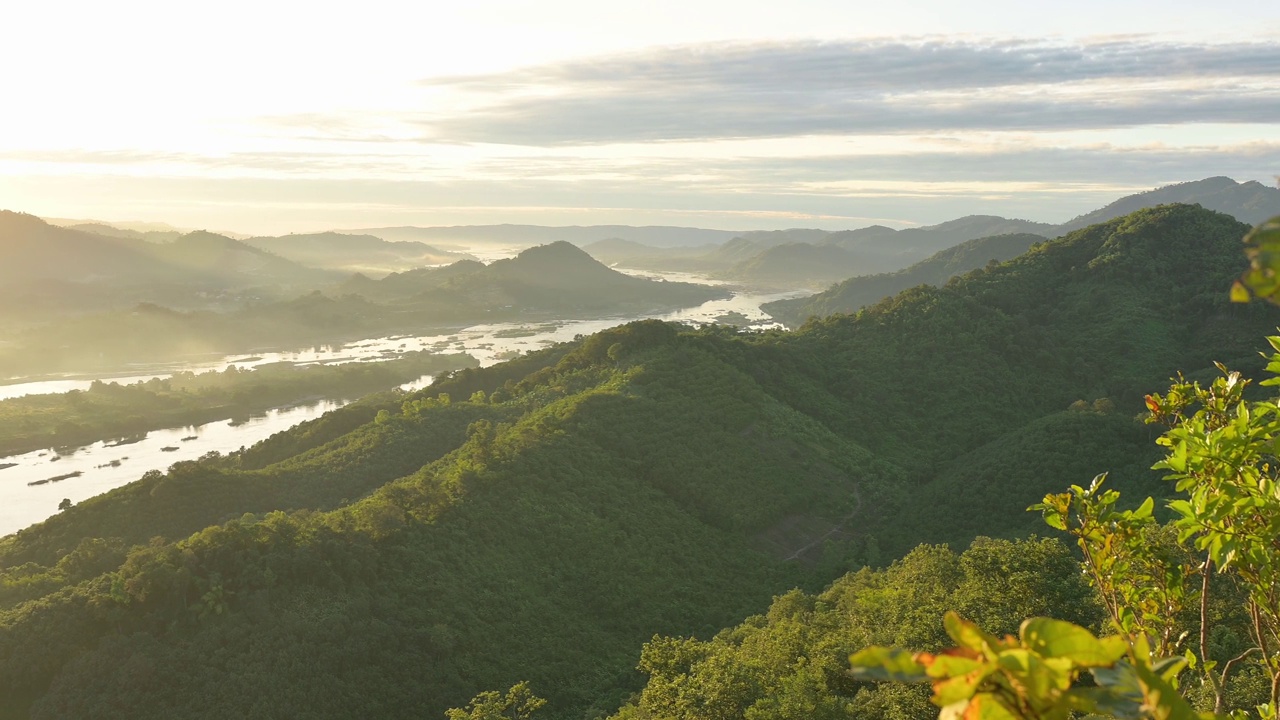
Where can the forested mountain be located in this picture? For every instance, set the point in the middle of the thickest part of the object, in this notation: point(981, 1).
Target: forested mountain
point(857, 292)
point(1249, 202)
point(792, 661)
point(360, 253)
point(542, 518)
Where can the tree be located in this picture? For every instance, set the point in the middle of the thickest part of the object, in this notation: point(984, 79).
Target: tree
point(519, 703)
point(1222, 455)
point(65, 505)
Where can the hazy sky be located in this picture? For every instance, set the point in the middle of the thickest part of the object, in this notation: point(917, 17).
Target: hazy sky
point(272, 116)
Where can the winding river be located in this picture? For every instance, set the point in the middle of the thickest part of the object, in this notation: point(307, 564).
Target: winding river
point(32, 485)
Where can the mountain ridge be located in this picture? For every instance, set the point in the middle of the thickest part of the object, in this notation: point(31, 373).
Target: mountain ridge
point(538, 519)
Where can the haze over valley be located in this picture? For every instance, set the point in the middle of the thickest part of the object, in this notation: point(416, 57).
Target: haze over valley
point(675, 361)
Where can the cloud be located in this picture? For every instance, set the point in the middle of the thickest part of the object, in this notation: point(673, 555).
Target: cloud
point(804, 88)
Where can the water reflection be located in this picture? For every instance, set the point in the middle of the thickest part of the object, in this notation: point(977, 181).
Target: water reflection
point(26, 498)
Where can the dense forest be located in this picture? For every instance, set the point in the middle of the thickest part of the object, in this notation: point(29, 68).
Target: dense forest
point(544, 518)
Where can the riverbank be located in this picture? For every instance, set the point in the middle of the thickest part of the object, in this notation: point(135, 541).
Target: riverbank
point(109, 411)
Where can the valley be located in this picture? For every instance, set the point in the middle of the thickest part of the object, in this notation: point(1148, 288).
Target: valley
point(542, 517)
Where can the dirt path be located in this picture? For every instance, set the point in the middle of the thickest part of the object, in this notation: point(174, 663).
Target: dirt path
point(838, 527)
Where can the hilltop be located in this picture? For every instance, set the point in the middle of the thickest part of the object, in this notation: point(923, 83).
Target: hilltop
point(1249, 202)
point(542, 518)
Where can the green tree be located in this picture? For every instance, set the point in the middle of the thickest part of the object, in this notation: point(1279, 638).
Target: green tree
point(1221, 453)
point(519, 703)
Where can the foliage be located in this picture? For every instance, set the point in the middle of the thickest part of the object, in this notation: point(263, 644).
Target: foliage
point(791, 662)
point(518, 704)
point(1262, 247)
point(559, 510)
point(1036, 674)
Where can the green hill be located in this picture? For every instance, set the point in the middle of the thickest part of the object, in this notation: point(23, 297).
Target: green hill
point(542, 518)
point(857, 292)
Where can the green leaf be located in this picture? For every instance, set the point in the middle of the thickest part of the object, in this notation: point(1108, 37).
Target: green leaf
point(1239, 293)
point(882, 663)
point(959, 688)
point(945, 665)
point(968, 635)
point(986, 706)
point(1057, 638)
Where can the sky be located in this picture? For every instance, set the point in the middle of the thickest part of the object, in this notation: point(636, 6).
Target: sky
point(274, 117)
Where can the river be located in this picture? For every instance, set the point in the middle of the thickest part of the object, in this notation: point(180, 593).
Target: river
point(102, 467)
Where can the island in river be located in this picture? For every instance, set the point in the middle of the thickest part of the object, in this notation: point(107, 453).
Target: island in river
point(110, 411)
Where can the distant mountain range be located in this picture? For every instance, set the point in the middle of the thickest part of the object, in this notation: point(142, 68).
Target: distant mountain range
point(817, 258)
point(857, 292)
point(544, 283)
point(558, 277)
point(529, 235)
point(783, 258)
point(355, 253)
point(1250, 202)
point(32, 250)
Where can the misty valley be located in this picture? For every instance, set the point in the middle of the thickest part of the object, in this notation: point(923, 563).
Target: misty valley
point(640, 473)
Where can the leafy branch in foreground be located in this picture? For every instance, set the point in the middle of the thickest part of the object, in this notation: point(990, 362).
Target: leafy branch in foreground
point(1035, 674)
point(1223, 540)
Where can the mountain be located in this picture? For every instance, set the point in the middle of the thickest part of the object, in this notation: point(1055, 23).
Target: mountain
point(787, 257)
point(32, 250)
point(527, 235)
point(628, 253)
point(798, 265)
point(857, 292)
point(1249, 202)
point(542, 518)
point(231, 262)
point(363, 253)
point(555, 278)
point(561, 278)
point(800, 258)
point(112, 231)
point(401, 285)
point(931, 238)
point(545, 283)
